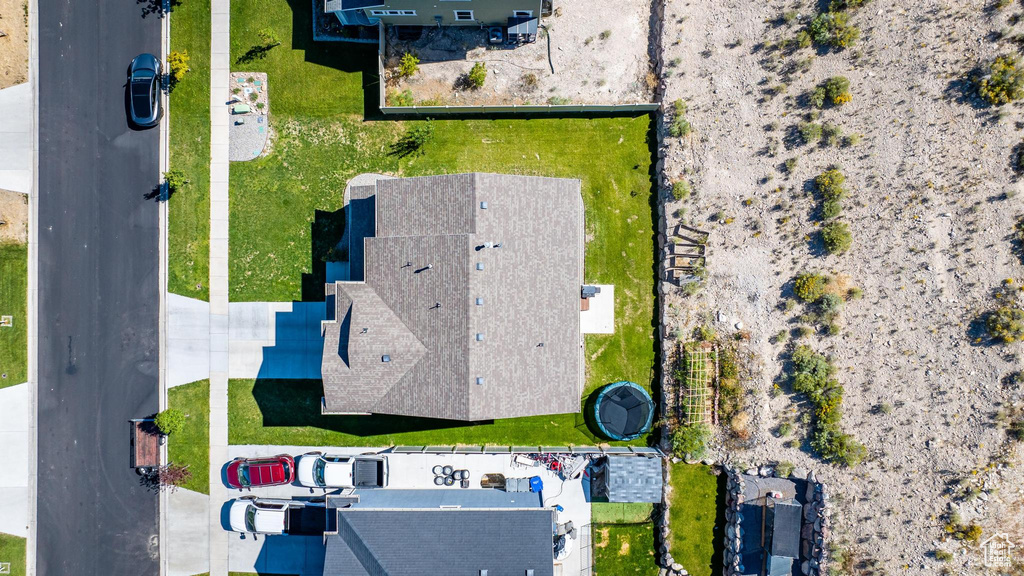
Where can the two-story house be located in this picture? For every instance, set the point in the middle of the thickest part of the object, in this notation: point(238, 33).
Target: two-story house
point(483, 13)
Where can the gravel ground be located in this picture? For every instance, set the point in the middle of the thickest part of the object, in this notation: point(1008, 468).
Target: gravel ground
point(597, 60)
point(248, 133)
point(932, 205)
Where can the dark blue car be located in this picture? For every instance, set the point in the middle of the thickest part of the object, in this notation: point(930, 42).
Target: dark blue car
point(144, 76)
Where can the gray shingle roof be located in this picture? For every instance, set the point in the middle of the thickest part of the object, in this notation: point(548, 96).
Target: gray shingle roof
point(634, 479)
point(462, 542)
point(426, 262)
point(783, 525)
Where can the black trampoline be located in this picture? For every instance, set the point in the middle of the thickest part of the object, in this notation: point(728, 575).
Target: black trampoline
point(623, 411)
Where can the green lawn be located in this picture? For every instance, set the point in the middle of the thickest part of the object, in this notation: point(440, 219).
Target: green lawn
point(12, 549)
point(191, 446)
point(14, 302)
point(621, 549)
point(621, 512)
point(189, 208)
point(285, 213)
point(696, 508)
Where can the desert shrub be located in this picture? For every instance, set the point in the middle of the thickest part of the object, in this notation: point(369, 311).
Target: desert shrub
point(963, 532)
point(837, 90)
point(403, 98)
point(254, 96)
point(1006, 323)
point(809, 132)
point(809, 287)
point(1004, 82)
point(690, 288)
point(830, 303)
point(830, 184)
point(679, 126)
point(784, 469)
point(681, 190)
point(831, 134)
point(178, 64)
point(803, 39)
point(175, 180)
point(943, 556)
point(791, 164)
point(690, 441)
point(604, 35)
point(559, 101)
point(813, 376)
point(851, 140)
point(817, 97)
point(477, 75)
point(530, 80)
point(170, 421)
point(830, 209)
point(1015, 431)
point(837, 237)
point(837, 5)
point(833, 29)
point(409, 65)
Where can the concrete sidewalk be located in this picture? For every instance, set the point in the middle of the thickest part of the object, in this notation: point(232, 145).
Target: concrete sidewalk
point(14, 431)
point(16, 138)
point(188, 533)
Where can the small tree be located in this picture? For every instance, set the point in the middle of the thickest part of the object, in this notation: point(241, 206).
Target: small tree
point(1004, 82)
point(171, 476)
point(175, 180)
point(178, 63)
point(409, 65)
point(478, 75)
point(836, 236)
point(1006, 324)
point(268, 38)
point(170, 421)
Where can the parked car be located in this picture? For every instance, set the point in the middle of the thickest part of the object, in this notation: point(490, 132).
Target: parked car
point(318, 470)
point(276, 516)
point(144, 79)
point(256, 472)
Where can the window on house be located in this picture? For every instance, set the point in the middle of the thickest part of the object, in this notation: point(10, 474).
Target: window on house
point(392, 12)
point(463, 15)
point(522, 13)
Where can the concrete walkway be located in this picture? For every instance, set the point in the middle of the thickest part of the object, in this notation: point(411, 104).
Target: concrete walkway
point(188, 340)
point(14, 430)
point(220, 72)
point(188, 533)
point(16, 138)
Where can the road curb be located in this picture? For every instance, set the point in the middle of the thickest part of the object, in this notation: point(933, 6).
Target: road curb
point(165, 122)
point(33, 291)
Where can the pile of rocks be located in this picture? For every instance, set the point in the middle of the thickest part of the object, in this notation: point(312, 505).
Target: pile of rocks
point(734, 499)
point(815, 531)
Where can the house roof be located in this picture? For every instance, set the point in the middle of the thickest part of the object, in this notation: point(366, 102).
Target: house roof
point(477, 309)
point(417, 542)
point(336, 5)
point(634, 479)
point(784, 518)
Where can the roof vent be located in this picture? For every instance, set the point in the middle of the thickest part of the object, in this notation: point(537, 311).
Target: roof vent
point(479, 301)
point(479, 265)
point(483, 573)
point(479, 381)
point(479, 337)
point(529, 572)
point(385, 358)
point(483, 206)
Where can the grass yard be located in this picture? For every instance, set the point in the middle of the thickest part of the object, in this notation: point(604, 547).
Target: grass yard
point(621, 512)
point(12, 549)
point(697, 518)
point(191, 446)
point(285, 213)
point(189, 208)
point(624, 549)
point(14, 302)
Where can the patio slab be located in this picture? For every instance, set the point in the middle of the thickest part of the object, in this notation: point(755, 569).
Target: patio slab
point(600, 318)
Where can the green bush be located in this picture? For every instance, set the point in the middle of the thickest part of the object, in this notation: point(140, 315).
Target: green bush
point(178, 63)
point(837, 90)
point(478, 75)
point(836, 236)
point(943, 556)
point(679, 126)
point(170, 421)
point(809, 287)
point(403, 98)
point(833, 29)
point(830, 184)
point(813, 376)
point(1006, 324)
point(830, 303)
point(1004, 82)
point(838, 5)
point(803, 39)
point(681, 190)
point(175, 180)
point(830, 209)
point(409, 65)
point(831, 133)
point(784, 469)
point(809, 132)
point(817, 97)
point(690, 441)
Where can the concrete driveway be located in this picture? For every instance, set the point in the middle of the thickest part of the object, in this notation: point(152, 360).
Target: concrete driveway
point(14, 496)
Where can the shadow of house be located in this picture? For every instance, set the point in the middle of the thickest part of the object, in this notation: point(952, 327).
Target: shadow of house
point(298, 343)
point(326, 233)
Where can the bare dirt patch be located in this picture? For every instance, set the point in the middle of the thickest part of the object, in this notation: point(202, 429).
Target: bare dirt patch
point(13, 42)
point(932, 202)
point(13, 217)
point(598, 50)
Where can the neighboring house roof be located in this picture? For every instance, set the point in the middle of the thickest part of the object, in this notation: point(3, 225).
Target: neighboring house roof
point(634, 479)
point(420, 268)
point(337, 5)
point(403, 499)
point(783, 524)
point(418, 542)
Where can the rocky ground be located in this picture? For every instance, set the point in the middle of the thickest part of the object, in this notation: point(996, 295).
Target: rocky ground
point(13, 42)
point(932, 204)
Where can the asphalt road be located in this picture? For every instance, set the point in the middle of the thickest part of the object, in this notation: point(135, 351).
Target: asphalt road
point(98, 291)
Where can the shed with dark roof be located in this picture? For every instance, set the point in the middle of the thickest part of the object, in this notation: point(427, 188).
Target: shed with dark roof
point(417, 542)
point(627, 479)
point(463, 301)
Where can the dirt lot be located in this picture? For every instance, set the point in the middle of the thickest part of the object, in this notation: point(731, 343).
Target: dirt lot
point(932, 204)
point(597, 60)
point(14, 215)
point(13, 46)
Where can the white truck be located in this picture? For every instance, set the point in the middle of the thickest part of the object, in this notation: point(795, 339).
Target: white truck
point(277, 516)
point(319, 470)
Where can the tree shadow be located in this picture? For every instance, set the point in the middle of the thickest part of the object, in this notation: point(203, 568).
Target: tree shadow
point(258, 52)
point(964, 90)
point(157, 8)
point(326, 232)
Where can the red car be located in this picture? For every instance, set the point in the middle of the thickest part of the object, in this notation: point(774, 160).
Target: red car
point(256, 472)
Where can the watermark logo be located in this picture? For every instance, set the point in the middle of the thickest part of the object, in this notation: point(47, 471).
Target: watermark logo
point(5, 567)
point(997, 551)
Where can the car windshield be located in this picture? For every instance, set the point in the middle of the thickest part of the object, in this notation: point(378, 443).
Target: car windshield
point(243, 475)
point(250, 518)
point(318, 472)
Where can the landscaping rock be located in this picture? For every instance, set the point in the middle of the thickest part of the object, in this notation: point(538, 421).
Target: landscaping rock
point(677, 567)
point(798, 473)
